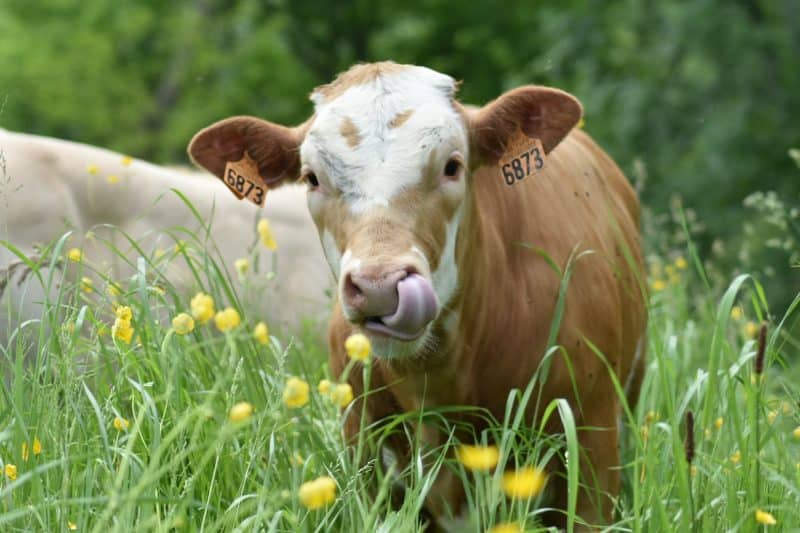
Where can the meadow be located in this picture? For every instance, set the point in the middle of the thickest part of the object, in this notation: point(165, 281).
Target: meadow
point(131, 407)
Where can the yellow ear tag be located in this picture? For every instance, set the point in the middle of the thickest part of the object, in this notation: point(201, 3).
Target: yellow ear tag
point(244, 180)
point(523, 157)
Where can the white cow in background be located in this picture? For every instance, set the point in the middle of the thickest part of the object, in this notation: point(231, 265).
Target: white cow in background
point(51, 186)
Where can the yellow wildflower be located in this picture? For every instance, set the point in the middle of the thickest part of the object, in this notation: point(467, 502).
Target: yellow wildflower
point(508, 527)
point(240, 412)
point(524, 483)
point(72, 526)
point(261, 333)
point(342, 394)
point(763, 517)
point(736, 457)
point(658, 285)
point(37, 448)
point(123, 312)
point(202, 306)
point(295, 393)
point(736, 312)
point(796, 432)
point(266, 234)
point(127, 160)
point(227, 319)
point(122, 330)
point(183, 323)
point(324, 386)
point(751, 329)
point(317, 493)
point(87, 285)
point(358, 347)
point(159, 252)
point(650, 417)
point(771, 416)
point(75, 255)
point(92, 169)
point(718, 422)
point(681, 263)
point(242, 265)
point(707, 433)
point(112, 179)
point(11, 471)
point(581, 124)
point(786, 407)
point(113, 290)
point(478, 457)
point(120, 424)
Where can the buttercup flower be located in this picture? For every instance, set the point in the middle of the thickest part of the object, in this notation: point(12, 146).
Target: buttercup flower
point(261, 333)
point(242, 265)
point(324, 386)
point(112, 179)
point(227, 319)
point(658, 285)
point(478, 457)
point(508, 527)
point(317, 493)
point(123, 312)
point(202, 306)
point(718, 422)
point(87, 285)
point(736, 312)
point(37, 448)
point(240, 412)
point(183, 323)
point(113, 290)
point(295, 393)
point(11, 471)
point(72, 526)
point(751, 329)
point(92, 169)
point(266, 234)
point(763, 517)
point(771, 416)
point(120, 424)
point(524, 483)
point(342, 394)
point(75, 255)
point(796, 432)
point(358, 347)
point(122, 330)
point(736, 457)
point(681, 263)
point(126, 160)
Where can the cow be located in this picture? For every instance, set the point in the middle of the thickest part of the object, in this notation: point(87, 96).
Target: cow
point(51, 186)
point(447, 265)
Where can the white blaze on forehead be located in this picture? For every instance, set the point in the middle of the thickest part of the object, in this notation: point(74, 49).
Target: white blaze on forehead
point(387, 160)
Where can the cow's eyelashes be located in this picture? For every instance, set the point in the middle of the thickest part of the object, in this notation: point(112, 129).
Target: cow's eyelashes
point(452, 168)
point(311, 179)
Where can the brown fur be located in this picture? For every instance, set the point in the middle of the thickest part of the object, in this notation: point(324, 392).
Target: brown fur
point(350, 133)
point(356, 75)
point(401, 118)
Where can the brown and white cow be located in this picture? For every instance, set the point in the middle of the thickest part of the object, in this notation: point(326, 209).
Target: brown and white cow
point(428, 243)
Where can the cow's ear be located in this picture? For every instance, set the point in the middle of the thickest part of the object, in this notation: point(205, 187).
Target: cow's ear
point(275, 148)
point(540, 112)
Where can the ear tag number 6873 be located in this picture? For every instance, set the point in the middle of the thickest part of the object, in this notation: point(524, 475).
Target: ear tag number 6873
point(523, 164)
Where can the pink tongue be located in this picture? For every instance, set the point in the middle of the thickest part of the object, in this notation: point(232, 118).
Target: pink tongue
point(416, 307)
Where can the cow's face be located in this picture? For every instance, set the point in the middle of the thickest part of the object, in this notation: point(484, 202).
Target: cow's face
point(386, 161)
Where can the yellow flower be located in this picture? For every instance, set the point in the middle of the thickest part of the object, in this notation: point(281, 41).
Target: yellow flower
point(751, 329)
point(763, 517)
point(227, 319)
point(122, 330)
point(87, 285)
point(581, 124)
point(240, 412)
point(126, 160)
point(736, 312)
point(37, 448)
point(295, 393)
point(159, 252)
point(681, 263)
point(650, 417)
point(796, 432)
point(72, 526)
point(324, 386)
point(509, 527)
point(718, 422)
point(124, 312)
point(658, 285)
point(11, 471)
point(242, 265)
point(202, 306)
point(707, 433)
point(358, 347)
point(75, 255)
point(478, 457)
point(120, 424)
point(261, 333)
point(736, 457)
point(183, 323)
point(524, 483)
point(112, 179)
point(317, 493)
point(771, 416)
point(266, 234)
point(342, 395)
point(113, 290)
point(92, 169)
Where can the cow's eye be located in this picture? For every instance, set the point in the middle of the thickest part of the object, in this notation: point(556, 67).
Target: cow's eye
point(312, 180)
point(452, 167)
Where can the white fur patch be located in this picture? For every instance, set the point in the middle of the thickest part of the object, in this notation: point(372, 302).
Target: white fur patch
point(332, 253)
point(445, 278)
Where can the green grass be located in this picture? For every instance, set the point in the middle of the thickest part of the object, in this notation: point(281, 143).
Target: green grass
point(182, 465)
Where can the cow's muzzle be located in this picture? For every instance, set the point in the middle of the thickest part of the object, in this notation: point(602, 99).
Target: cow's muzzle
point(399, 304)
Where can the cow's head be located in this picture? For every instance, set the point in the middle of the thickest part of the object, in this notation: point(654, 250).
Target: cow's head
point(386, 158)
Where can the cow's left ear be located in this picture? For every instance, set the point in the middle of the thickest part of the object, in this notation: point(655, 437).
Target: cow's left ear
point(540, 112)
point(275, 148)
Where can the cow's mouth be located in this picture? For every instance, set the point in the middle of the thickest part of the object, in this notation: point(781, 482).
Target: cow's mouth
point(417, 305)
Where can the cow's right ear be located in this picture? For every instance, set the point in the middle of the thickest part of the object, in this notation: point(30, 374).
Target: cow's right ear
point(275, 148)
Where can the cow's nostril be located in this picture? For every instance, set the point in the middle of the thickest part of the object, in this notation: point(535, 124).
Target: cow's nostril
point(351, 290)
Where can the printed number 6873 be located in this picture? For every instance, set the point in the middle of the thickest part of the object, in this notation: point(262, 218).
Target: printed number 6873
point(520, 167)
